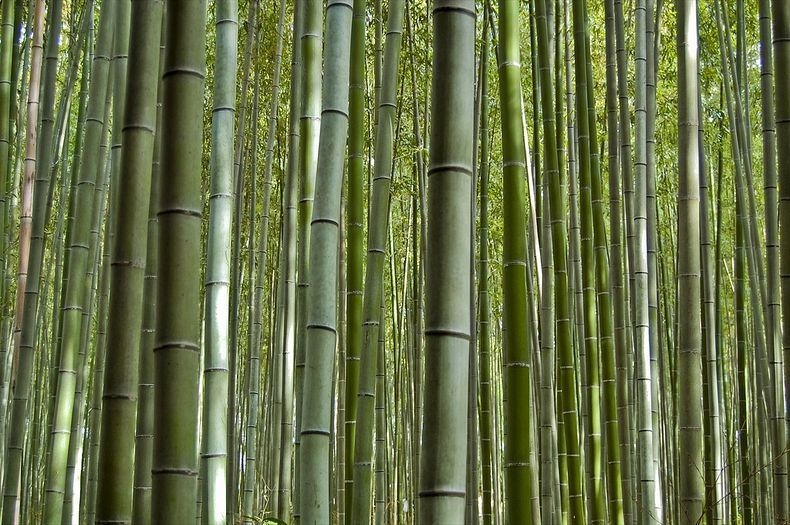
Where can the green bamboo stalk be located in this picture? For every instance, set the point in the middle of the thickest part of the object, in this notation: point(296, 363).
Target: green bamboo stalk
point(47, 132)
point(322, 313)
point(90, 282)
point(653, 15)
point(596, 502)
point(311, 38)
point(355, 216)
point(236, 261)
point(744, 426)
point(516, 357)
point(781, 48)
point(6, 95)
point(116, 449)
point(617, 390)
point(380, 475)
point(773, 313)
point(339, 449)
point(483, 296)
point(30, 166)
point(97, 259)
point(98, 372)
point(76, 446)
point(75, 299)
point(176, 350)
point(215, 442)
point(643, 375)
point(625, 356)
point(447, 315)
point(281, 365)
point(253, 402)
point(378, 227)
point(419, 256)
point(568, 447)
point(691, 454)
point(550, 464)
point(141, 501)
point(714, 468)
point(604, 308)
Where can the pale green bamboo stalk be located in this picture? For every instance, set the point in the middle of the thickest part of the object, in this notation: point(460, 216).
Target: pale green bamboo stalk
point(550, 464)
point(321, 307)
point(419, 256)
point(643, 376)
point(447, 319)
point(253, 394)
point(215, 443)
point(339, 450)
point(715, 468)
point(235, 287)
point(483, 296)
point(568, 447)
point(615, 415)
point(76, 447)
point(625, 353)
point(288, 291)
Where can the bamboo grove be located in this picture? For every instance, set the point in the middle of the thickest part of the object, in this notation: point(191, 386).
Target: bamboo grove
point(394, 261)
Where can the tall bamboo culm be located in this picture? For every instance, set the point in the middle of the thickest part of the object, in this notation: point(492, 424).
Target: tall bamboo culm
point(447, 269)
point(215, 420)
point(321, 298)
point(116, 449)
point(176, 347)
